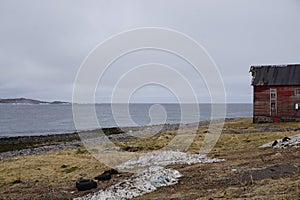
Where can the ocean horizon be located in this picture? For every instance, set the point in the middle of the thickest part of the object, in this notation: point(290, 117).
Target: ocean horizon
point(44, 119)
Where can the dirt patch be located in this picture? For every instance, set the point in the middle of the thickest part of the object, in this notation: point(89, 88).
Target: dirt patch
point(270, 172)
point(224, 180)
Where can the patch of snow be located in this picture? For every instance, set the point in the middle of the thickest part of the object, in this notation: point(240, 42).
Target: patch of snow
point(140, 183)
point(294, 141)
point(154, 176)
point(163, 158)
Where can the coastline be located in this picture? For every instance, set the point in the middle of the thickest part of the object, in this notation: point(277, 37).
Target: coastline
point(38, 144)
point(28, 120)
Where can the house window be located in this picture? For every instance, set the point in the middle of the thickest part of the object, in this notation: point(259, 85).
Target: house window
point(273, 107)
point(273, 94)
point(297, 92)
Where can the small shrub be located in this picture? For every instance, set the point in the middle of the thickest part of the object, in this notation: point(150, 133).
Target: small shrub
point(64, 166)
point(72, 169)
point(81, 151)
point(17, 181)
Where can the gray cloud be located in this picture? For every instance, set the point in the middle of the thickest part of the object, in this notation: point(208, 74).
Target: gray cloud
point(44, 42)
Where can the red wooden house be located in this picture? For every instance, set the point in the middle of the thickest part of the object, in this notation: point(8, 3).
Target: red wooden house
point(276, 93)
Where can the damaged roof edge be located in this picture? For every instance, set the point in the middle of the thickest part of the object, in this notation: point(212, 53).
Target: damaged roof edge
point(276, 75)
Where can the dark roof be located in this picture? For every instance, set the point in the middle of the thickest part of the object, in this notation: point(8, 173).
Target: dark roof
point(276, 74)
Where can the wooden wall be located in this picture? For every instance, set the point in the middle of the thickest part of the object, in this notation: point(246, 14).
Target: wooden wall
point(286, 101)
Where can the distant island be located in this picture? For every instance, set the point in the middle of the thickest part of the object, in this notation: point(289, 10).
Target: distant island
point(29, 101)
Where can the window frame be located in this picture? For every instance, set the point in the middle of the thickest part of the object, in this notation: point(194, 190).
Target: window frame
point(273, 91)
point(297, 92)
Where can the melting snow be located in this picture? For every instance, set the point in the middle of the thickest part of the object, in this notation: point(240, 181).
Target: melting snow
point(139, 184)
point(163, 158)
point(294, 141)
point(151, 178)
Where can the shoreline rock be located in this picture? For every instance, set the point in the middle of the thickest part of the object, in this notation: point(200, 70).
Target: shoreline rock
point(34, 145)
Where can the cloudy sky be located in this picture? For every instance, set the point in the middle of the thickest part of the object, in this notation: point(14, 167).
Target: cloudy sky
point(43, 43)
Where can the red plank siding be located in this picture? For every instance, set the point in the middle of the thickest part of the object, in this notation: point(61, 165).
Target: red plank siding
point(286, 101)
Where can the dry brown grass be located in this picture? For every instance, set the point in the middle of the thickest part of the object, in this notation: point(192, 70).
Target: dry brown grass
point(48, 176)
point(53, 175)
point(47, 168)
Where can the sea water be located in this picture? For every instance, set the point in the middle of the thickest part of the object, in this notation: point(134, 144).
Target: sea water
point(42, 119)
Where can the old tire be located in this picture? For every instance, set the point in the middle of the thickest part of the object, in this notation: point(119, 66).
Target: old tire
point(111, 172)
point(85, 184)
point(103, 177)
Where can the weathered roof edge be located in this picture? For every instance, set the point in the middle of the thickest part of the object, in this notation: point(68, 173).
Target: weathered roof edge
point(280, 74)
point(275, 65)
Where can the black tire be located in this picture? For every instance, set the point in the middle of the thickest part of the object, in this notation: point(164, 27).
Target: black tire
point(85, 184)
point(103, 177)
point(111, 172)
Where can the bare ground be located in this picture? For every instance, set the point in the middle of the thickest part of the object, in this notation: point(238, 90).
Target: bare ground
point(249, 172)
point(241, 176)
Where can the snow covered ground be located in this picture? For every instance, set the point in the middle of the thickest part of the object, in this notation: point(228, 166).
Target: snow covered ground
point(139, 184)
point(292, 141)
point(154, 176)
point(163, 158)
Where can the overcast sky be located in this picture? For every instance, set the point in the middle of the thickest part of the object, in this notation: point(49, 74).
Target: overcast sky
point(43, 43)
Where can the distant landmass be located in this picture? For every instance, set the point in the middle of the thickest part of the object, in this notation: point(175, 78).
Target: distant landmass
point(30, 101)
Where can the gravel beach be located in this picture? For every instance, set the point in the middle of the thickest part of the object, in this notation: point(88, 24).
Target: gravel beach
point(34, 145)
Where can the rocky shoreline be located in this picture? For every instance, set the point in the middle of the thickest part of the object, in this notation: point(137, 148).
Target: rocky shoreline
point(34, 145)
point(39, 150)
